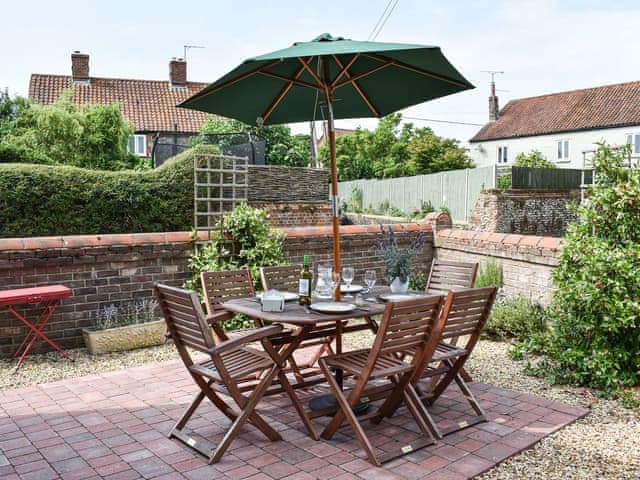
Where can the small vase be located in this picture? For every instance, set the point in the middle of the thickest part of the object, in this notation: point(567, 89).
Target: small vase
point(397, 286)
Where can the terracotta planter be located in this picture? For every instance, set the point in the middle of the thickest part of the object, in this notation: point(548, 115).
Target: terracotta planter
point(128, 337)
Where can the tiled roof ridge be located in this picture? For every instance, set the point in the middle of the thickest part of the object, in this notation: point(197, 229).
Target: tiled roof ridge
point(577, 90)
point(112, 79)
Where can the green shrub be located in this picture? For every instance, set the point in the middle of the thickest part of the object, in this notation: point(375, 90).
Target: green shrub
point(515, 318)
point(504, 182)
point(534, 159)
point(245, 240)
point(489, 275)
point(596, 305)
point(39, 200)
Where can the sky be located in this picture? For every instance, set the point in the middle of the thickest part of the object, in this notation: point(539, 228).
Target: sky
point(542, 46)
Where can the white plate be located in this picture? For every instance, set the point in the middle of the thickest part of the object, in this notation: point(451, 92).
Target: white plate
point(350, 288)
point(287, 296)
point(332, 307)
point(396, 297)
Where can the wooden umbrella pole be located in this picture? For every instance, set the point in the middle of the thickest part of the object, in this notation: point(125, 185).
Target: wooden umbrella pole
point(334, 176)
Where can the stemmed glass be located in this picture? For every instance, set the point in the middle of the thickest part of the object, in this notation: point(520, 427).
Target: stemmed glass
point(348, 273)
point(370, 279)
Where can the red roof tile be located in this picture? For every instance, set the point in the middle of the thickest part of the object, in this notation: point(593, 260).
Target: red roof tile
point(150, 105)
point(591, 108)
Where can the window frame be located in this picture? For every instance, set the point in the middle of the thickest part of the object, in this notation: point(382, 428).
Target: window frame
point(135, 138)
point(503, 154)
point(635, 145)
point(563, 151)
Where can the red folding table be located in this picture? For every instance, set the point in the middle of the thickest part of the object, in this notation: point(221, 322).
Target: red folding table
point(50, 296)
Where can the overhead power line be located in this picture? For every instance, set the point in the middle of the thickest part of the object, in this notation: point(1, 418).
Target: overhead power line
point(444, 121)
point(383, 19)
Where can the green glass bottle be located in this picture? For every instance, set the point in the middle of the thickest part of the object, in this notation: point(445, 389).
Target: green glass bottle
point(304, 284)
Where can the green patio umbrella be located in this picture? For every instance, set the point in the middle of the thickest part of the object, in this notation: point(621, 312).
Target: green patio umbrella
point(329, 78)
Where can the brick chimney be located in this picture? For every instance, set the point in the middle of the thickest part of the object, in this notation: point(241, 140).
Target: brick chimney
point(80, 68)
point(178, 73)
point(493, 104)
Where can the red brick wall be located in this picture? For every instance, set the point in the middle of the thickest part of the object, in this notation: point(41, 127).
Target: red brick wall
point(527, 261)
point(113, 269)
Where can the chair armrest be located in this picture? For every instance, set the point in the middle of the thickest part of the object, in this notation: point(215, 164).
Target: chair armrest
point(244, 338)
point(219, 316)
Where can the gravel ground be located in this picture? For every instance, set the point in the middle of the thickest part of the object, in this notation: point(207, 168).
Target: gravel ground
point(603, 445)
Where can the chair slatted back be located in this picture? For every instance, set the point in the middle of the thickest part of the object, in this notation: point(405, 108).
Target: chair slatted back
point(283, 277)
point(466, 313)
point(185, 320)
point(221, 286)
point(448, 275)
point(407, 325)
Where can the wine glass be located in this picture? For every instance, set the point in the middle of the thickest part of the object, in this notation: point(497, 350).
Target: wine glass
point(370, 279)
point(348, 273)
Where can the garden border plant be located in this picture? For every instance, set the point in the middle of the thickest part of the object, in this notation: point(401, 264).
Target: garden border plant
point(595, 311)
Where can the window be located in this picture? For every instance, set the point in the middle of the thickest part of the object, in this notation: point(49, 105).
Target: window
point(503, 154)
point(633, 139)
point(563, 150)
point(138, 145)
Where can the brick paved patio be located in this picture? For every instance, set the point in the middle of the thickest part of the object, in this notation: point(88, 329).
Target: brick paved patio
point(113, 425)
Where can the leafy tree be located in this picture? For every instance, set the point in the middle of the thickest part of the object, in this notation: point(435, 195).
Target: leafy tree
point(10, 109)
point(394, 150)
point(596, 306)
point(429, 153)
point(533, 159)
point(92, 136)
point(283, 148)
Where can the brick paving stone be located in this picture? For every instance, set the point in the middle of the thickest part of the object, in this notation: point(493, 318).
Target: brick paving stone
point(262, 460)
point(446, 474)
point(375, 473)
point(58, 452)
point(312, 464)
point(471, 465)
point(433, 463)
point(496, 452)
point(280, 469)
point(244, 471)
point(47, 473)
point(355, 466)
point(150, 467)
point(203, 473)
point(128, 474)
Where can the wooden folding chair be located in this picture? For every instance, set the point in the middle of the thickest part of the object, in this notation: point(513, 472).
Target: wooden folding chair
point(281, 277)
point(228, 364)
point(464, 314)
point(410, 324)
point(448, 275)
point(218, 287)
point(285, 278)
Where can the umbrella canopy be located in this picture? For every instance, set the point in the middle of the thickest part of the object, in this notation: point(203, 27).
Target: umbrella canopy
point(327, 78)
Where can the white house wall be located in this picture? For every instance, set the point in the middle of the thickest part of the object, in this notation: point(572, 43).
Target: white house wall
point(486, 153)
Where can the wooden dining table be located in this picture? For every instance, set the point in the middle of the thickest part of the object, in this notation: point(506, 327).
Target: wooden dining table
point(303, 323)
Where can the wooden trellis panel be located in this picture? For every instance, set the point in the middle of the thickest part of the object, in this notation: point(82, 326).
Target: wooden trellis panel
point(220, 183)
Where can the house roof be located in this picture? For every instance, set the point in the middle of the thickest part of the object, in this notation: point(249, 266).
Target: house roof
point(587, 109)
point(150, 105)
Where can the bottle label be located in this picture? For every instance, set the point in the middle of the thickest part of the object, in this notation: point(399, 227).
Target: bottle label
point(303, 287)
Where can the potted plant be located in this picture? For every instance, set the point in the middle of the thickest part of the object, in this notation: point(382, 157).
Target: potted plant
point(398, 260)
point(134, 325)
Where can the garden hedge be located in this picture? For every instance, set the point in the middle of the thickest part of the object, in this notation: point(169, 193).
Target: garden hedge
point(43, 200)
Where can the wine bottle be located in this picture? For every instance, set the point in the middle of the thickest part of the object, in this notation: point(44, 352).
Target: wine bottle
point(304, 284)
